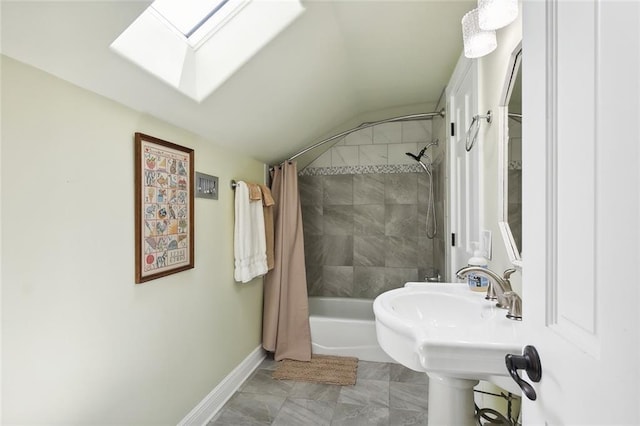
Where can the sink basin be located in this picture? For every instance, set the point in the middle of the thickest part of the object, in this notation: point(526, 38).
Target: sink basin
point(445, 329)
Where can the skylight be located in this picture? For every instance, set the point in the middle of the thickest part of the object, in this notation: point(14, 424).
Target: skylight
point(195, 45)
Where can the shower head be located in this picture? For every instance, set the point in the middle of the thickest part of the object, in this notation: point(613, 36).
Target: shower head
point(415, 157)
point(422, 151)
point(419, 156)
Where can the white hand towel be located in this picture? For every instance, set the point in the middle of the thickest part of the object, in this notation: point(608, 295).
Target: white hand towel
point(250, 245)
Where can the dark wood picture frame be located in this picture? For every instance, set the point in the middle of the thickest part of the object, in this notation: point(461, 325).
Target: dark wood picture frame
point(164, 176)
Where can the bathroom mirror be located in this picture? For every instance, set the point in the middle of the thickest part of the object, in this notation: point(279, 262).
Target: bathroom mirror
point(510, 158)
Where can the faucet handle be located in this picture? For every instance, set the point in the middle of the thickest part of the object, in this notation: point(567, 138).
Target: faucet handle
point(491, 292)
point(514, 305)
point(508, 272)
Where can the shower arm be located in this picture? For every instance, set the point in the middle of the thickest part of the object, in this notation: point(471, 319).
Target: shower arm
point(365, 125)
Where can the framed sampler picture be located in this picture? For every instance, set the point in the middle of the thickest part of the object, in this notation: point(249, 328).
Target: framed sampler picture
point(164, 174)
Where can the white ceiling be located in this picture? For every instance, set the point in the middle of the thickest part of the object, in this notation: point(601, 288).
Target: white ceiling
point(339, 63)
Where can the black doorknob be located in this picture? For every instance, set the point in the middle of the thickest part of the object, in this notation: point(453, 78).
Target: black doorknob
point(529, 361)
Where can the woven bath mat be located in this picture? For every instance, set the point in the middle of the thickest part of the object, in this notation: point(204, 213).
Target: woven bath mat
point(327, 369)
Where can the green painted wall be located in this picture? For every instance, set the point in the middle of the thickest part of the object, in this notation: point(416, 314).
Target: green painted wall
point(81, 343)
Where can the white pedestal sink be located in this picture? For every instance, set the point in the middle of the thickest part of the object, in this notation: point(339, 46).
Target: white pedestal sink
point(453, 335)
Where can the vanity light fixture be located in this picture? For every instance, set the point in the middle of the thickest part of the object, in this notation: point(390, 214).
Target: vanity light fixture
point(477, 42)
point(479, 25)
point(495, 14)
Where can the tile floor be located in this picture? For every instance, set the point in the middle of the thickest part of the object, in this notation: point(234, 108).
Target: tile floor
point(384, 394)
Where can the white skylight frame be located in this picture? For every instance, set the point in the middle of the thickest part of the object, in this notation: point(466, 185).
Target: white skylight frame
point(196, 20)
point(199, 64)
point(187, 15)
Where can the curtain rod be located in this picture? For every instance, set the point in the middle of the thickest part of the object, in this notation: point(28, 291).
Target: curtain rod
point(410, 117)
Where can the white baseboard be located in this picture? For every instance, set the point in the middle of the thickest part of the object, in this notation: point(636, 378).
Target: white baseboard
point(212, 403)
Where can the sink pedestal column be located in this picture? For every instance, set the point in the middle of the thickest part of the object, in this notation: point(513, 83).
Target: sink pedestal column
point(451, 401)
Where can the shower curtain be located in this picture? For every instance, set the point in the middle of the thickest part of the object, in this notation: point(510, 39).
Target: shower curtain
point(285, 326)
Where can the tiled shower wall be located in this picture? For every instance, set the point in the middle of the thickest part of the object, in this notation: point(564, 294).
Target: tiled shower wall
point(364, 221)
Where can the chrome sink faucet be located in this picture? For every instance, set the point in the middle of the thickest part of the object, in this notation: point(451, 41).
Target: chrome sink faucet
point(502, 292)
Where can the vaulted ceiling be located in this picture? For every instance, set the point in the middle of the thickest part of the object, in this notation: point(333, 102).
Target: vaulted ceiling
point(342, 62)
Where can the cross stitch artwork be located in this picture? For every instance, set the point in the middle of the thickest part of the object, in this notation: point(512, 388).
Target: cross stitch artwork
point(164, 208)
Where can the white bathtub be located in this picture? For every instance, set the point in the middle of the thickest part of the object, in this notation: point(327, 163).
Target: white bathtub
point(345, 327)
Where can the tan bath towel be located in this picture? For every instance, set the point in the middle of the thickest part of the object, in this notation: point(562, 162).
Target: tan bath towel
point(266, 195)
point(267, 203)
point(254, 192)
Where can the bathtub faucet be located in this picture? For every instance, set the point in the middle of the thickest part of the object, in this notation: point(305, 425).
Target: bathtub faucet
point(433, 276)
point(499, 289)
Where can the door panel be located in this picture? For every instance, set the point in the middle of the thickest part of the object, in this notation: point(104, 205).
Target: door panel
point(465, 171)
point(581, 220)
point(576, 129)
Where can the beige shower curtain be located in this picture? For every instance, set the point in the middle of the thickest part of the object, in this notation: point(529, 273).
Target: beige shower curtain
point(285, 326)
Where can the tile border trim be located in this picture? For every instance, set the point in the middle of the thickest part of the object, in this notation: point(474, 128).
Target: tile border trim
point(360, 170)
point(515, 165)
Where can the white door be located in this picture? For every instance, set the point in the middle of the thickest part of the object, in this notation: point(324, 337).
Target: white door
point(581, 188)
point(464, 167)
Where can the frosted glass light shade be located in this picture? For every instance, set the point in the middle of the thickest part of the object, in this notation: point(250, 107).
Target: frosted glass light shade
point(494, 14)
point(477, 42)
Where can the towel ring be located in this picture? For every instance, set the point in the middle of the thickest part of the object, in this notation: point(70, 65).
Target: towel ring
point(475, 121)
